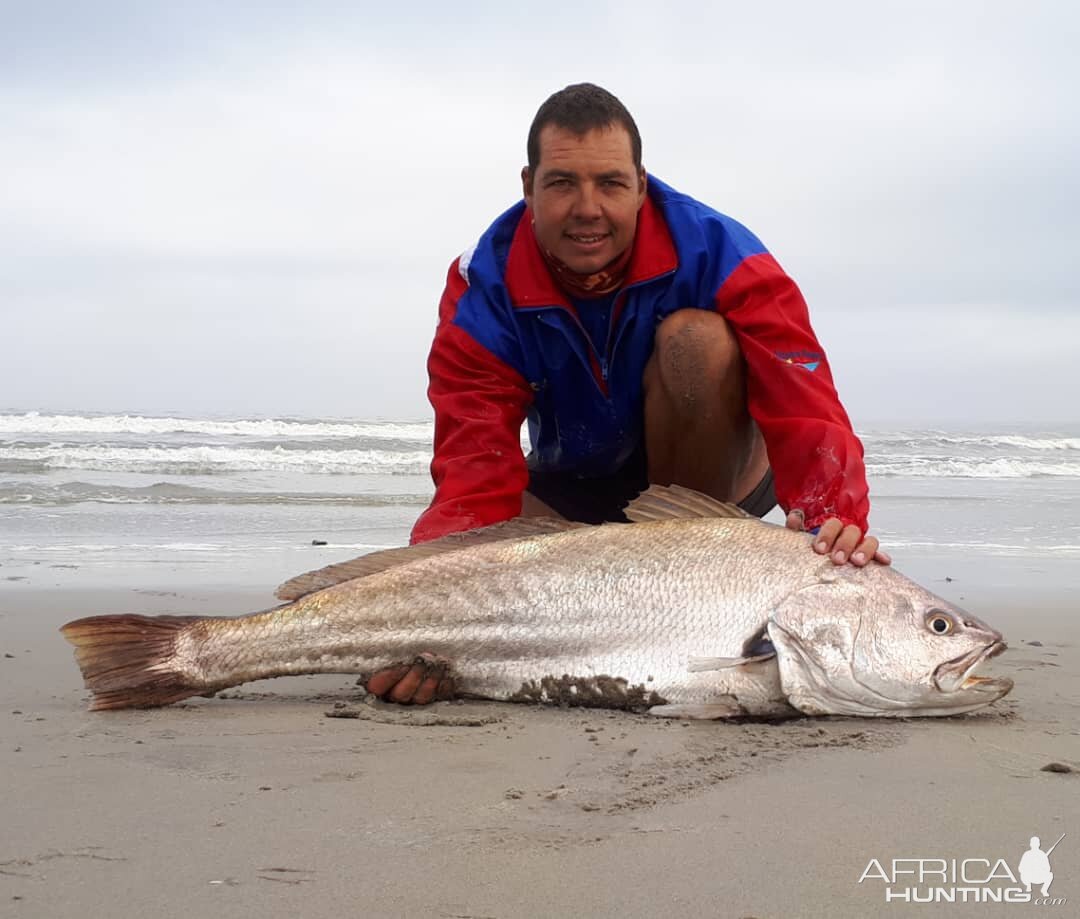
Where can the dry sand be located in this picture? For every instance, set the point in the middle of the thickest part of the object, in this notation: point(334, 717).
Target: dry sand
point(260, 805)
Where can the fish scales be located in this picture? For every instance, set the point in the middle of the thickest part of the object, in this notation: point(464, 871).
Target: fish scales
point(699, 615)
point(630, 602)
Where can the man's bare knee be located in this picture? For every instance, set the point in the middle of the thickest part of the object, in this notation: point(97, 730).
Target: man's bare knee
point(695, 357)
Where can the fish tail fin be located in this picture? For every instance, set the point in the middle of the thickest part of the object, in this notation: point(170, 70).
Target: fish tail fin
point(126, 660)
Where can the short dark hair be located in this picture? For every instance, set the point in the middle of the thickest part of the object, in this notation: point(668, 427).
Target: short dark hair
point(581, 107)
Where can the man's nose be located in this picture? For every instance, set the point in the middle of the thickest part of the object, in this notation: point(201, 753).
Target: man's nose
point(587, 203)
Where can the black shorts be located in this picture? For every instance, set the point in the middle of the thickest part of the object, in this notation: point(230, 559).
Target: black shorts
point(602, 499)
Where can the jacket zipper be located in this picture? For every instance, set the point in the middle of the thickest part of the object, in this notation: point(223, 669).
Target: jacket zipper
point(601, 363)
point(620, 299)
point(598, 364)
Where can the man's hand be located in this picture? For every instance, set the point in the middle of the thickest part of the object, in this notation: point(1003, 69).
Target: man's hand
point(841, 543)
point(426, 679)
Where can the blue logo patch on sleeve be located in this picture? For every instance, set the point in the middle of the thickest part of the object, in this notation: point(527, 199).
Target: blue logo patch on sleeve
point(808, 360)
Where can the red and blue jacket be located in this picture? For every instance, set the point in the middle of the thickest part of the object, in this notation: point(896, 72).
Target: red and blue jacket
point(510, 346)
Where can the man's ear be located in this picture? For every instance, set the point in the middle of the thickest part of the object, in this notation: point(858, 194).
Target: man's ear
point(643, 186)
point(526, 183)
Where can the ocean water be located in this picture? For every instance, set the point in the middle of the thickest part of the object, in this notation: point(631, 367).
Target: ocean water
point(123, 499)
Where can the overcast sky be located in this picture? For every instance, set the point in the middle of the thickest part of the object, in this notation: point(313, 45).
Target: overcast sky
point(247, 208)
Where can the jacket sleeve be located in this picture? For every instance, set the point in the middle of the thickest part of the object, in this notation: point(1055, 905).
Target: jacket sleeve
point(480, 403)
point(816, 458)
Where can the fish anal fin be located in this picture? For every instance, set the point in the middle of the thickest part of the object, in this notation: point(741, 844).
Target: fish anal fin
point(384, 559)
point(674, 502)
point(717, 710)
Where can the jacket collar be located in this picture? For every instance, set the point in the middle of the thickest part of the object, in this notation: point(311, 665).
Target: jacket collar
point(529, 282)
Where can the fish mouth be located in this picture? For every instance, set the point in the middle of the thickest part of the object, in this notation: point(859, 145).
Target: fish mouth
point(958, 674)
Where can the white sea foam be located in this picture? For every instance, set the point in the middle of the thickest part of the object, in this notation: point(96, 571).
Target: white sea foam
point(209, 460)
point(34, 442)
point(945, 468)
point(927, 439)
point(216, 459)
point(34, 423)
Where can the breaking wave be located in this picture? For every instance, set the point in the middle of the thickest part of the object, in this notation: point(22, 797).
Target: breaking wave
point(929, 439)
point(937, 467)
point(58, 425)
point(35, 443)
point(209, 460)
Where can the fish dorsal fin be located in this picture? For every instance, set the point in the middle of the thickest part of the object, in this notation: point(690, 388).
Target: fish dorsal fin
point(374, 562)
point(673, 502)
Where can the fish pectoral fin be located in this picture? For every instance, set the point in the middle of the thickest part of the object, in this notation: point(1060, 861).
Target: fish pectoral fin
point(702, 711)
point(702, 664)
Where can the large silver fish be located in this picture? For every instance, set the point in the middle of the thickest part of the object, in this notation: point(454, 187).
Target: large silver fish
point(692, 611)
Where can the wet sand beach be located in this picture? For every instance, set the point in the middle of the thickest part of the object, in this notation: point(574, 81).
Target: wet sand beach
point(261, 803)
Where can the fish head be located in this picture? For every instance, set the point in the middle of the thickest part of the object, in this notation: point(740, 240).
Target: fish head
point(871, 642)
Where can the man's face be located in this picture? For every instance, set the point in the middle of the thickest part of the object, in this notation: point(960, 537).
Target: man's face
point(585, 195)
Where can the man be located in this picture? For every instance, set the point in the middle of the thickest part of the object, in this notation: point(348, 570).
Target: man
point(647, 339)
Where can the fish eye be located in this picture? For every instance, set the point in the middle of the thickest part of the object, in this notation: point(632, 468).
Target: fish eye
point(939, 623)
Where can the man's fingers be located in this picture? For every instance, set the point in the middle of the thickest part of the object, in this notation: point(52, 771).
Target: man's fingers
point(408, 684)
point(845, 544)
point(826, 536)
point(865, 551)
point(796, 520)
point(433, 686)
point(426, 679)
point(428, 689)
point(381, 683)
